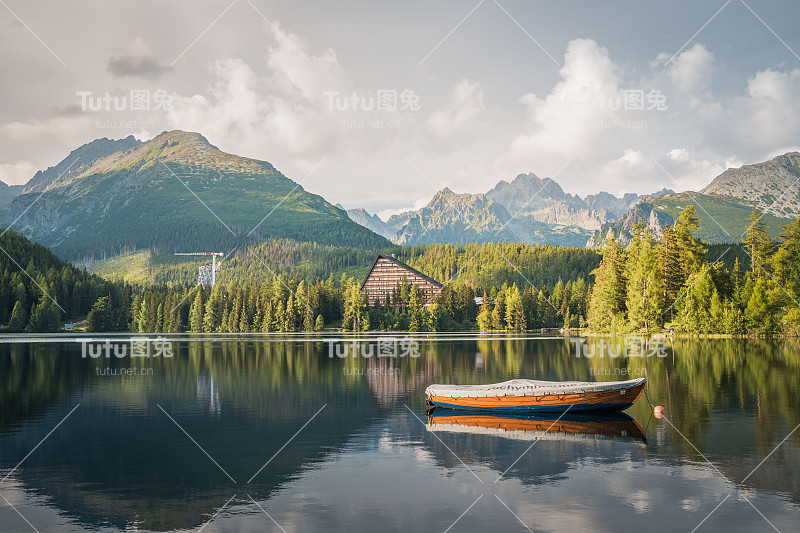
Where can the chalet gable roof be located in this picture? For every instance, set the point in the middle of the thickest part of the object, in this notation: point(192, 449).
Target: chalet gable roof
point(402, 265)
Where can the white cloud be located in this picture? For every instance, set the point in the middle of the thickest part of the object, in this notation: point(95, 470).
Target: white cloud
point(679, 155)
point(686, 173)
point(564, 123)
point(617, 175)
point(261, 116)
point(772, 108)
point(763, 122)
point(463, 107)
point(17, 173)
point(419, 203)
point(294, 70)
point(288, 115)
point(66, 129)
point(135, 59)
point(691, 73)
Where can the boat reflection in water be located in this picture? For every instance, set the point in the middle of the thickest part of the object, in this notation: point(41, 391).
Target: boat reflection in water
point(535, 427)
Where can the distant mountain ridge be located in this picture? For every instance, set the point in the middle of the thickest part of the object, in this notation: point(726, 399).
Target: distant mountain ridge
point(722, 219)
point(455, 218)
point(771, 187)
point(7, 195)
point(165, 195)
point(114, 196)
point(78, 162)
point(540, 211)
point(526, 209)
point(372, 222)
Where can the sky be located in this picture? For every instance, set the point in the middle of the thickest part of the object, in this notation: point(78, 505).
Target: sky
point(612, 96)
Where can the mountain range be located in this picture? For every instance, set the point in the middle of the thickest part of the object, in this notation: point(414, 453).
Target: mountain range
point(527, 209)
point(771, 188)
point(178, 192)
point(537, 210)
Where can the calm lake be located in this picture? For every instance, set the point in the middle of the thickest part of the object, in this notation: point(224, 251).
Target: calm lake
point(269, 433)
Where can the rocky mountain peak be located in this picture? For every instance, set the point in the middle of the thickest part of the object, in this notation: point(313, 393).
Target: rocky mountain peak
point(772, 186)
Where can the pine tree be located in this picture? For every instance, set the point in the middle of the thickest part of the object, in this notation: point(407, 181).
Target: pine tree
point(415, 310)
point(160, 317)
point(308, 319)
point(786, 260)
point(279, 320)
point(484, 317)
point(515, 314)
point(757, 312)
point(211, 318)
point(141, 319)
point(545, 311)
point(19, 318)
point(266, 322)
point(44, 317)
point(758, 243)
point(643, 299)
point(196, 313)
point(100, 318)
point(608, 296)
point(244, 321)
point(690, 248)
point(672, 276)
point(499, 311)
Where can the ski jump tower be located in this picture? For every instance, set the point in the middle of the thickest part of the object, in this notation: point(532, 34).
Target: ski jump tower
point(207, 274)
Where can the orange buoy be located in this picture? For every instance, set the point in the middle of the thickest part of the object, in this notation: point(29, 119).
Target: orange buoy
point(658, 411)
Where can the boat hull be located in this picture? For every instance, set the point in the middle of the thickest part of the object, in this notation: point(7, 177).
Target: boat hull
point(605, 400)
point(531, 426)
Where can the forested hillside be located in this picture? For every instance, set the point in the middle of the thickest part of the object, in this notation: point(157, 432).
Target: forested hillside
point(670, 282)
point(675, 282)
point(281, 286)
point(38, 290)
point(479, 265)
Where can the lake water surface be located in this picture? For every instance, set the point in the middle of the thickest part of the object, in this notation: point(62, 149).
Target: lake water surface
point(269, 433)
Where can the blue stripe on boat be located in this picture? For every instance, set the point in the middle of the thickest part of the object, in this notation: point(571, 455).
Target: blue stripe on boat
point(540, 408)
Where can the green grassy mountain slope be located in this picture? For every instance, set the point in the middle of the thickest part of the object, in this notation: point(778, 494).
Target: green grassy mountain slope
point(177, 192)
point(722, 219)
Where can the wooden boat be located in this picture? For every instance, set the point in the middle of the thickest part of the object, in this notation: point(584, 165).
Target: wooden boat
point(527, 395)
point(534, 427)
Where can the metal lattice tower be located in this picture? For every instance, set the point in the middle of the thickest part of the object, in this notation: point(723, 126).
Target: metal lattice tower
point(207, 274)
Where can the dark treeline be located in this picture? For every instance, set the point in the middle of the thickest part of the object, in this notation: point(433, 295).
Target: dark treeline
point(248, 264)
point(675, 282)
point(480, 265)
point(487, 265)
point(281, 304)
point(293, 296)
point(38, 291)
point(278, 286)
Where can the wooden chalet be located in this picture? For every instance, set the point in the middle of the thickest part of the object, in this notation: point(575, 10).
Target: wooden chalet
point(387, 273)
